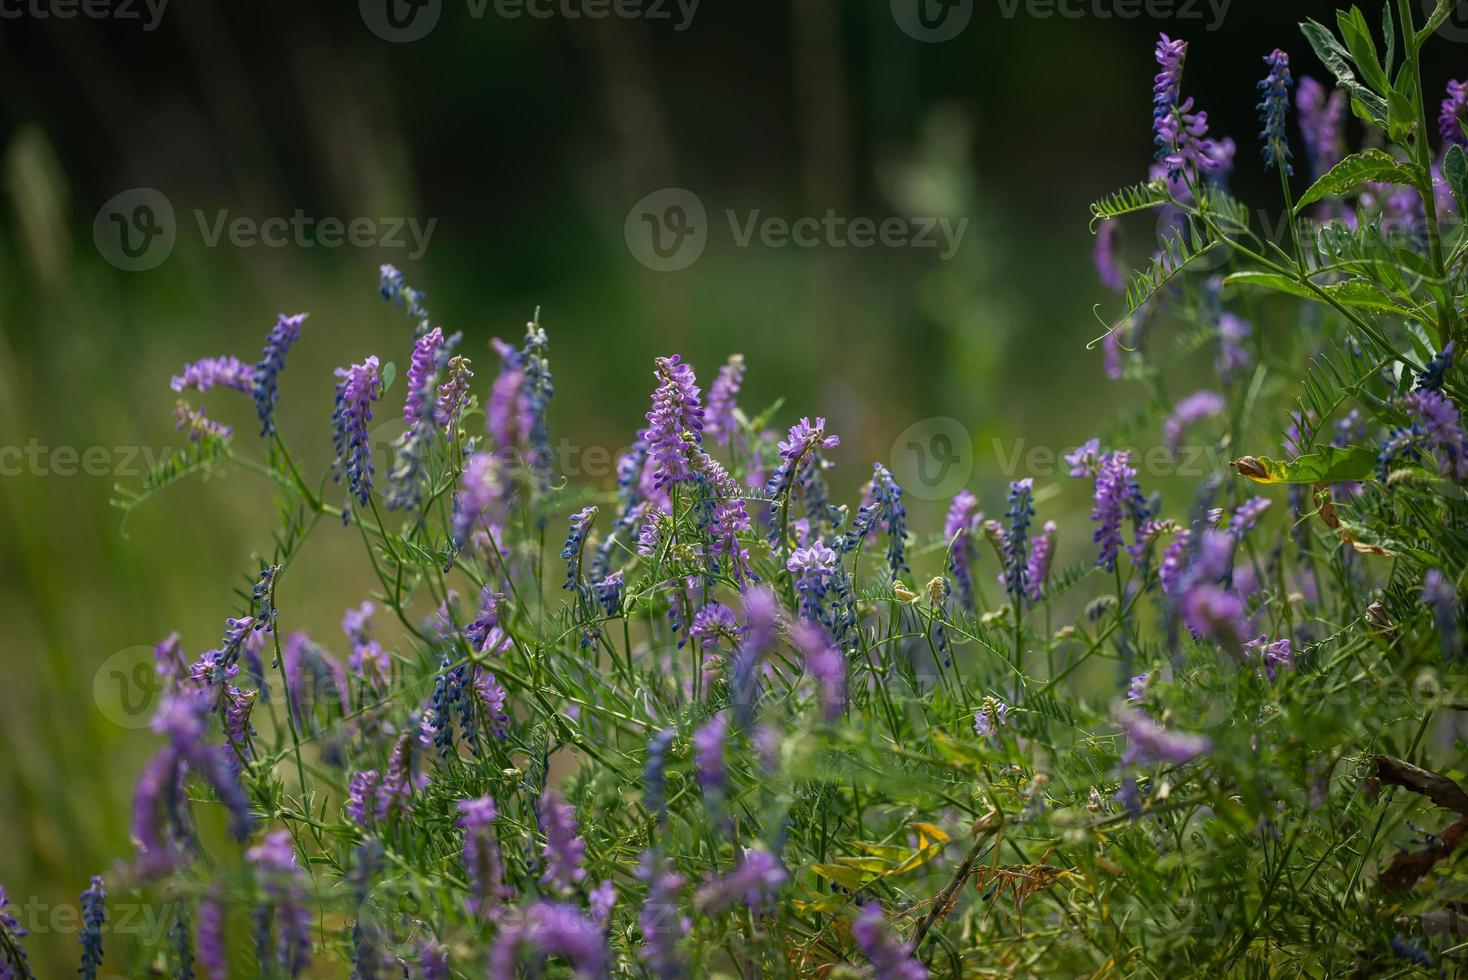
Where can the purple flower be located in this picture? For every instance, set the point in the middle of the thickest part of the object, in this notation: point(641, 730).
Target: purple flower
point(1442, 600)
point(265, 381)
point(993, 714)
point(188, 419)
point(1322, 124)
point(1194, 408)
point(825, 664)
point(1085, 460)
point(507, 412)
point(713, 623)
point(674, 423)
point(958, 528)
point(813, 568)
point(393, 287)
point(761, 618)
point(1246, 517)
point(549, 929)
point(1106, 255)
point(1149, 742)
point(1114, 478)
point(483, 499)
point(482, 861)
point(1017, 539)
point(211, 938)
point(659, 919)
point(888, 513)
point(708, 752)
point(1180, 133)
point(1274, 110)
point(563, 847)
point(359, 387)
point(1450, 119)
point(1138, 689)
point(422, 369)
point(609, 593)
point(362, 794)
point(1216, 614)
point(891, 958)
point(650, 532)
point(13, 963)
point(274, 860)
point(602, 899)
point(1437, 417)
point(575, 543)
point(94, 915)
point(719, 420)
point(753, 882)
point(1233, 357)
point(729, 521)
point(453, 394)
point(1271, 656)
point(225, 372)
point(1042, 551)
point(434, 962)
point(1436, 371)
point(654, 774)
point(805, 440)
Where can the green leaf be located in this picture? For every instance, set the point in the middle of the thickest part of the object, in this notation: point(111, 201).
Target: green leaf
point(1356, 292)
point(1363, 49)
point(1364, 102)
point(1328, 464)
point(1373, 165)
point(389, 375)
point(1389, 30)
point(1455, 169)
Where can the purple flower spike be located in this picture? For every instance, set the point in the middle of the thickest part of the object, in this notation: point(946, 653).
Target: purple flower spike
point(992, 715)
point(482, 861)
point(1322, 124)
point(94, 915)
point(753, 883)
point(1114, 478)
point(674, 423)
point(1274, 110)
point(719, 419)
point(1246, 517)
point(825, 664)
point(285, 888)
point(1437, 416)
point(1270, 656)
point(1149, 742)
point(1041, 553)
point(224, 372)
point(708, 752)
point(563, 847)
point(1194, 408)
point(265, 382)
point(1107, 255)
point(891, 958)
point(359, 387)
point(1180, 133)
point(1454, 109)
point(421, 371)
point(550, 929)
point(659, 919)
point(1216, 614)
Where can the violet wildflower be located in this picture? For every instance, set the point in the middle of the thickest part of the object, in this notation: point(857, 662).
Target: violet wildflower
point(1216, 614)
point(719, 419)
point(654, 775)
point(1042, 552)
point(659, 920)
point(1233, 357)
point(211, 938)
point(708, 752)
point(362, 795)
point(482, 861)
point(761, 618)
point(609, 593)
point(993, 714)
point(485, 634)
point(1180, 133)
point(94, 915)
point(729, 521)
point(891, 958)
point(400, 781)
point(713, 623)
point(1192, 409)
point(813, 568)
point(799, 452)
point(754, 882)
point(1454, 113)
point(537, 392)
point(188, 419)
point(1106, 255)
point(564, 848)
point(650, 532)
point(1114, 478)
point(674, 422)
point(169, 661)
point(1442, 600)
point(482, 500)
point(825, 664)
point(1322, 124)
point(890, 514)
point(422, 369)
point(1436, 371)
point(265, 381)
point(1149, 742)
point(1084, 461)
point(453, 393)
point(550, 929)
point(1271, 656)
point(1274, 110)
point(602, 899)
point(434, 961)
point(274, 861)
point(359, 387)
point(13, 962)
point(223, 372)
point(1437, 416)
point(1246, 516)
point(1138, 689)
point(1017, 539)
point(576, 543)
point(393, 287)
point(958, 529)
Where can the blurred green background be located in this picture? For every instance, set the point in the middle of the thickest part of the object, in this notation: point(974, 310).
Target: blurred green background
point(527, 140)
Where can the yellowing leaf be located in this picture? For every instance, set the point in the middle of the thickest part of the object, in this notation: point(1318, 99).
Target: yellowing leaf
point(1328, 464)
